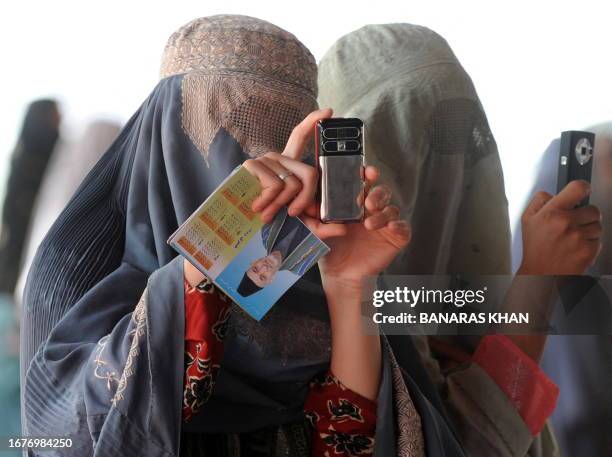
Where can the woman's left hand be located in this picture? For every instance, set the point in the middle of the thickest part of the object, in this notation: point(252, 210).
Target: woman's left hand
point(358, 250)
point(362, 249)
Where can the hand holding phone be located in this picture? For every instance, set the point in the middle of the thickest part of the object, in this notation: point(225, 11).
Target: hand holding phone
point(560, 237)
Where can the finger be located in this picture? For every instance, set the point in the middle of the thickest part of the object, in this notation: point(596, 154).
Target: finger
point(312, 210)
point(592, 231)
point(381, 218)
point(370, 175)
point(587, 214)
point(594, 249)
point(537, 203)
point(400, 233)
point(308, 177)
point(570, 195)
point(303, 132)
point(292, 187)
point(271, 185)
point(322, 230)
point(378, 198)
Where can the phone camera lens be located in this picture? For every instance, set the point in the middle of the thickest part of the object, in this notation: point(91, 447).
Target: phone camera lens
point(584, 151)
point(330, 134)
point(341, 133)
point(348, 133)
point(330, 146)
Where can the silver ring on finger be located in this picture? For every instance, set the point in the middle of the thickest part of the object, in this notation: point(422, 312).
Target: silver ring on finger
point(283, 176)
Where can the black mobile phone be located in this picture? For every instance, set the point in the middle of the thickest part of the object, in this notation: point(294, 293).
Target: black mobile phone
point(575, 159)
point(340, 159)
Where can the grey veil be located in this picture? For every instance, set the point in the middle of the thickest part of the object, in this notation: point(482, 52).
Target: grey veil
point(427, 132)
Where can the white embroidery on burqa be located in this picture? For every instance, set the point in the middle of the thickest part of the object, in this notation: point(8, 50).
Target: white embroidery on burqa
point(138, 322)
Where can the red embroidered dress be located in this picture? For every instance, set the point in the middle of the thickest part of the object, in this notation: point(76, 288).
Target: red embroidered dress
point(343, 421)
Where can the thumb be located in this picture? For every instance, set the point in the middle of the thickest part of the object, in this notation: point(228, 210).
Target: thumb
point(570, 196)
point(303, 132)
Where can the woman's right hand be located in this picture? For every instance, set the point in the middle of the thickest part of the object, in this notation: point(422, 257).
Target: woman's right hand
point(558, 238)
point(285, 180)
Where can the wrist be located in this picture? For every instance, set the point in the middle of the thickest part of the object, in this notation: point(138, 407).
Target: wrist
point(191, 274)
point(348, 294)
point(347, 285)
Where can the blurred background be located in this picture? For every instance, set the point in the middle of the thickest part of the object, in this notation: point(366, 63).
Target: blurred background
point(539, 68)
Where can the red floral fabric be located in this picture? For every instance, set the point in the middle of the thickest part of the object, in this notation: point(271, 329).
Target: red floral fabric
point(206, 316)
point(531, 392)
point(344, 422)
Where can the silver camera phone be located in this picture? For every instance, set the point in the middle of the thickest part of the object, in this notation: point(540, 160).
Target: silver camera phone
point(340, 158)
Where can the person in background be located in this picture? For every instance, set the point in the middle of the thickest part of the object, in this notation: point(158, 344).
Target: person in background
point(35, 146)
point(9, 372)
point(427, 132)
point(581, 364)
point(67, 168)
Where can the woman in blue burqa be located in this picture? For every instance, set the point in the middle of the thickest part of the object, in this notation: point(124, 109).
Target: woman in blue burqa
point(108, 344)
